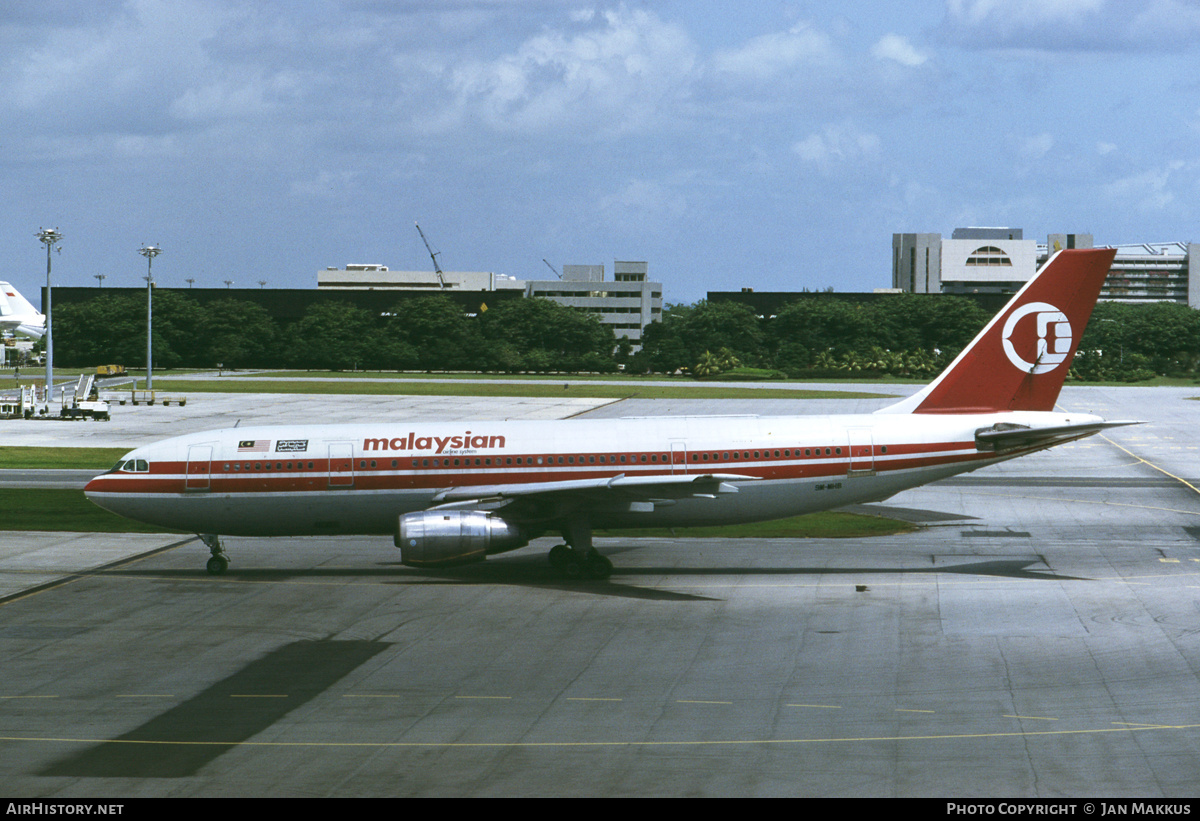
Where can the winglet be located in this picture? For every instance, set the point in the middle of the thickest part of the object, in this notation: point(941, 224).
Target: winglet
point(1020, 359)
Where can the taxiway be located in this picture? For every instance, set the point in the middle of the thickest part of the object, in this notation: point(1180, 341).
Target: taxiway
point(1036, 638)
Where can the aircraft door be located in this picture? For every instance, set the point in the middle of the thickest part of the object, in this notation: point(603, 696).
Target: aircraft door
point(341, 465)
point(199, 468)
point(862, 451)
point(679, 457)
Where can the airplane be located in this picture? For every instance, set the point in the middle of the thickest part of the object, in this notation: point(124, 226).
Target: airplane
point(455, 492)
point(18, 316)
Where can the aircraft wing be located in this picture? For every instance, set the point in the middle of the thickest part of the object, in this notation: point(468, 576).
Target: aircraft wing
point(635, 494)
point(1009, 436)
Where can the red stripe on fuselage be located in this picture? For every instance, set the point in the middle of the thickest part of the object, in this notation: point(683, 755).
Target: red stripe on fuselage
point(435, 473)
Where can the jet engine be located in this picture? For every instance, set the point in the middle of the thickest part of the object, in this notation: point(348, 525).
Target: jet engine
point(432, 538)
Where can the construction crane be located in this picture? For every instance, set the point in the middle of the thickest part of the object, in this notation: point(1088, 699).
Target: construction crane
point(552, 268)
point(437, 268)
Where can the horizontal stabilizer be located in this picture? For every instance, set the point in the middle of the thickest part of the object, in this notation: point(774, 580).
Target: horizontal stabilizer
point(1008, 436)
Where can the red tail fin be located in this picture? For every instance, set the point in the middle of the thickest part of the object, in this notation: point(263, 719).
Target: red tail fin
point(1020, 359)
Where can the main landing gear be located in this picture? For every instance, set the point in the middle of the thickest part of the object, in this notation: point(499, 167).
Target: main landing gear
point(219, 562)
point(577, 559)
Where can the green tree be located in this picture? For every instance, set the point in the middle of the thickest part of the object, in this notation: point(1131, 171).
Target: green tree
point(331, 335)
point(729, 326)
point(113, 329)
point(239, 334)
point(435, 332)
point(550, 336)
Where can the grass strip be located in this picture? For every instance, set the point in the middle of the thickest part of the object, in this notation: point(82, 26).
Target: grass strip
point(44, 458)
point(43, 509)
point(498, 388)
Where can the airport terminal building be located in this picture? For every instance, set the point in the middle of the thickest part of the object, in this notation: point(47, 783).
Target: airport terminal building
point(628, 303)
point(1001, 260)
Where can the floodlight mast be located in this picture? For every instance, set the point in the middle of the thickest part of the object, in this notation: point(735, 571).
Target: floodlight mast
point(437, 268)
point(149, 252)
point(50, 237)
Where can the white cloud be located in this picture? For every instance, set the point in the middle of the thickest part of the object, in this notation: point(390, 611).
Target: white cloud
point(837, 144)
point(641, 203)
point(771, 54)
point(1036, 147)
point(1023, 13)
point(1059, 25)
point(326, 185)
point(133, 58)
point(1147, 191)
point(616, 75)
point(1171, 21)
point(1051, 25)
point(897, 48)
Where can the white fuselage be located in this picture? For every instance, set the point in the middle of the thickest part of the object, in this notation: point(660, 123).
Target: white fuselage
point(322, 479)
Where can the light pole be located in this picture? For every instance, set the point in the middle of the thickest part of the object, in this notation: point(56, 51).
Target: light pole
point(149, 252)
point(51, 237)
point(99, 278)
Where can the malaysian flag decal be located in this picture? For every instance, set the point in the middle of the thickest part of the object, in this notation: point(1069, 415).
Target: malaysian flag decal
point(254, 446)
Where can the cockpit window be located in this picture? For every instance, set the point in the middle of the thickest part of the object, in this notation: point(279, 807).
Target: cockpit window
point(131, 466)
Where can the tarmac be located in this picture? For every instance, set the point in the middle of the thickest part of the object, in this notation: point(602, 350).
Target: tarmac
point(1037, 637)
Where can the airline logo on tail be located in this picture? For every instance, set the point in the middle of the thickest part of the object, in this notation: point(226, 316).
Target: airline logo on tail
point(1019, 361)
point(1049, 322)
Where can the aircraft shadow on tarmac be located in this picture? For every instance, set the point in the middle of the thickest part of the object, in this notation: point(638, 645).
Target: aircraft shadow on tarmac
point(535, 572)
point(181, 740)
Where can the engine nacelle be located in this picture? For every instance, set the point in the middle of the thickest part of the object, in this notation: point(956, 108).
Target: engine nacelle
point(440, 537)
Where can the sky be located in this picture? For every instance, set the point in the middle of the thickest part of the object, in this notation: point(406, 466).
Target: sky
point(775, 145)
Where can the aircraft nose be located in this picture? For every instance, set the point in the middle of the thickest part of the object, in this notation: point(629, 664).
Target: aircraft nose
point(95, 488)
